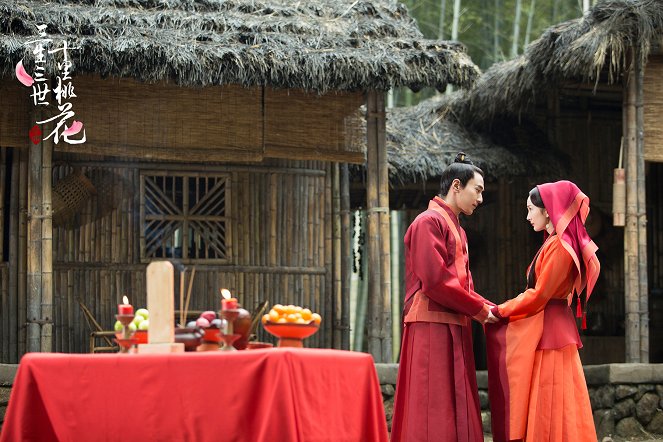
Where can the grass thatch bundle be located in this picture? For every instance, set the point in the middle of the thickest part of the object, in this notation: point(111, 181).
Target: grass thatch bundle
point(318, 45)
point(422, 141)
point(593, 48)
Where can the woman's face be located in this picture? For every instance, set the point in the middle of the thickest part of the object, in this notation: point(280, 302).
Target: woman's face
point(536, 216)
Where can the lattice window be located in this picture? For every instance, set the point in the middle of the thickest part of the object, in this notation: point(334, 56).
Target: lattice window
point(185, 216)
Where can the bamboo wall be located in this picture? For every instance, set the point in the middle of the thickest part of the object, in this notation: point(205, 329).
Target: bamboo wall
point(653, 101)
point(124, 117)
point(281, 237)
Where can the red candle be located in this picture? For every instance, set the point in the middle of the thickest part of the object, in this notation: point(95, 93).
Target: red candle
point(229, 304)
point(125, 308)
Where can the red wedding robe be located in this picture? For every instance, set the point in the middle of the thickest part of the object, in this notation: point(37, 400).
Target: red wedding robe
point(436, 392)
point(536, 381)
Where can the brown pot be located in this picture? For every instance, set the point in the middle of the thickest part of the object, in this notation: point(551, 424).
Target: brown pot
point(242, 326)
point(189, 336)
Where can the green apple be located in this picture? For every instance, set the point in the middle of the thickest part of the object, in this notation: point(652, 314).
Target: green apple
point(137, 320)
point(144, 325)
point(143, 312)
point(133, 326)
point(117, 326)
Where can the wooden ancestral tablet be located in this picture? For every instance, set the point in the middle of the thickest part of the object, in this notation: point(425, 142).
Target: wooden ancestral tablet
point(160, 303)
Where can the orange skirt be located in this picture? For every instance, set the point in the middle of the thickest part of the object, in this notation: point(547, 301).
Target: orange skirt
point(536, 395)
point(559, 409)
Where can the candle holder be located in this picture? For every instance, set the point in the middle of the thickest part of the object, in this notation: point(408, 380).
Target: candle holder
point(126, 341)
point(125, 344)
point(228, 341)
point(228, 335)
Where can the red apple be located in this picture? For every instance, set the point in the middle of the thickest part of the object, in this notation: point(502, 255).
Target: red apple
point(202, 322)
point(209, 315)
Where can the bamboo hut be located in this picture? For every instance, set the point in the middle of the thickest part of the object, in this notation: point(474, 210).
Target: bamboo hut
point(593, 86)
point(217, 134)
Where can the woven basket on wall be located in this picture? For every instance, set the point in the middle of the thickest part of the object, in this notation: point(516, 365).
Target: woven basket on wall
point(69, 195)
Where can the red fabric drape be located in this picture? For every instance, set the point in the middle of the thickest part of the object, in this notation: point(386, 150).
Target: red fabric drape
point(258, 395)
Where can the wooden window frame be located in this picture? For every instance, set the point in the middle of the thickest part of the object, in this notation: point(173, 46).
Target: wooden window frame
point(176, 215)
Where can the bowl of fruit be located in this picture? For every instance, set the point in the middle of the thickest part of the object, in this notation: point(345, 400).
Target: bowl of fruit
point(138, 326)
point(291, 324)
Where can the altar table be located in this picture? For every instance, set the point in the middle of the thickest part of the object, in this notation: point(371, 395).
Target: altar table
point(272, 395)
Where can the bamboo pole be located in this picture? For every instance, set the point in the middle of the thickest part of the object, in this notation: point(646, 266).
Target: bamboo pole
point(346, 257)
point(396, 240)
point(385, 230)
point(184, 236)
point(336, 261)
point(5, 313)
point(642, 210)
point(631, 277)
point(198, 169)
point(4, 305)
point(22, 313)
point(374, 309)
point(34, 275)
point(362, 292)
point(328, 289)
point(14, 260)
point(46, 247)
point(3, 209)
point(274, 189)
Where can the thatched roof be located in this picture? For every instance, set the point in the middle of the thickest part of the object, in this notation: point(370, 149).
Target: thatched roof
point(593, 48)
point(421, 143)
point(318, 45)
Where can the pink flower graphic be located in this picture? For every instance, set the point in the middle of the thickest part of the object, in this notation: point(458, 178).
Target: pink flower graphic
point(76, 127)
point(23, 76)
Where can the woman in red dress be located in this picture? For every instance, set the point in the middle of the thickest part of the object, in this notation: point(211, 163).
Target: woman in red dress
point(536, 382)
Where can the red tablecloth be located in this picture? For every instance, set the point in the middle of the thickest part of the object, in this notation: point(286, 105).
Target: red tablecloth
point(258, 395)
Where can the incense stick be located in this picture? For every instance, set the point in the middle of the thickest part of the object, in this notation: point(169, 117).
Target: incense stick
point(188, 292)
point(182, 273)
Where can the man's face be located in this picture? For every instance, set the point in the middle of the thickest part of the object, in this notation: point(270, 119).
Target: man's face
point(470, 196)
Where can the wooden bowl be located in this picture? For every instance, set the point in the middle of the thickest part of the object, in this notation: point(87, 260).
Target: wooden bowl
point(289, 334)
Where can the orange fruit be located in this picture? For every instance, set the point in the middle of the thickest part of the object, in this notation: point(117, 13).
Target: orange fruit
point(291, 318)
point(306, 314)
point(281, 321)
point(265, 318)
point(301, 321)
point(274, 315)
point(278, 308)
point(316, 318)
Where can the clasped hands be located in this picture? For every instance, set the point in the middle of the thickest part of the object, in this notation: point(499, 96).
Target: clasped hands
point(491, 318)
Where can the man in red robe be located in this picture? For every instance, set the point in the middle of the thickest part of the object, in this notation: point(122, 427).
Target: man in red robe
point(436, 392)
